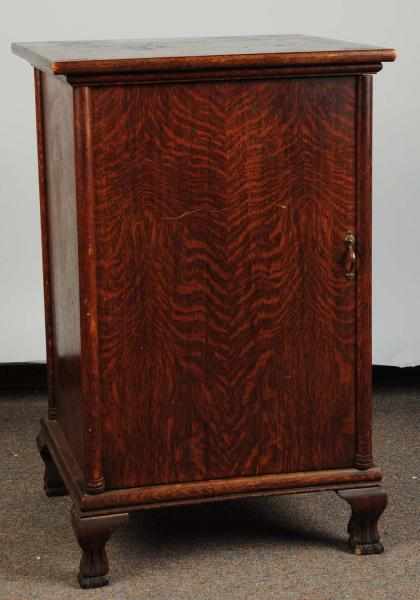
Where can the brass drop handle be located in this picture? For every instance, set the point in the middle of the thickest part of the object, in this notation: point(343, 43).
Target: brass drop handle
point(350, 260)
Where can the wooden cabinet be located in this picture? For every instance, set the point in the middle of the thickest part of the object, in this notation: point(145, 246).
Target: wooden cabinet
point(207, 264)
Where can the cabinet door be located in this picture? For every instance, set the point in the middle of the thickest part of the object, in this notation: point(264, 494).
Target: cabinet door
point(227, 326)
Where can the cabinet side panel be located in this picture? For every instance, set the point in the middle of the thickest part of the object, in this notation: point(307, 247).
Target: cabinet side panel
point(61, 221)
point(43, 201)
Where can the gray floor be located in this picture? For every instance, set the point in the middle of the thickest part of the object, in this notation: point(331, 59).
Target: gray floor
point(290, 548)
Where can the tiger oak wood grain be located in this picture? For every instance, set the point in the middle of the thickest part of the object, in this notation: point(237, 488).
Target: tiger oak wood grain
point(220, 217)
point(192, 492)
point(203, 339)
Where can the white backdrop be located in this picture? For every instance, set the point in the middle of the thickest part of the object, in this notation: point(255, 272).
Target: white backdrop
point(396, 139)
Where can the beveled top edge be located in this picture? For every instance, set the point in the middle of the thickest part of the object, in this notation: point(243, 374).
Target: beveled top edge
point(171, 54)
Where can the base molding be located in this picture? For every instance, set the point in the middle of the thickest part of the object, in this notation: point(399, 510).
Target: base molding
point(95, 517)
point(154, 496)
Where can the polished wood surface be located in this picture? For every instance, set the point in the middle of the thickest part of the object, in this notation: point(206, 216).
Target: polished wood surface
point(221, 216)
point(367, 505)
point(60, 256)
point(92, 533)
point(191, 53)
point(192, 492)
point(219, 75)
point(206, 223)
point(363, 281)
point(45, 237)
point(90, 378)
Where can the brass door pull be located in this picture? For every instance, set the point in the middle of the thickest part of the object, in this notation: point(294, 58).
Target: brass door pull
point(350, 260)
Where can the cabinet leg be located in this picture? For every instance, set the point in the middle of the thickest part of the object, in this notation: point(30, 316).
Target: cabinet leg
point(53, 482)
point(367, 505)
point(92, 533)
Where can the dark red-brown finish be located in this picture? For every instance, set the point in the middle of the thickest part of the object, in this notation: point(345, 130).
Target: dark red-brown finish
point(60, 255)
point(45, 237)
point(53, 482)
point(206, 226)
point(220, 217)
point(183, 54)
point(363, 279)
point(92, 533)
point(367, 505)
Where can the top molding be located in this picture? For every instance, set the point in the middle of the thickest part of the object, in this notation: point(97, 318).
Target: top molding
point(193, 54)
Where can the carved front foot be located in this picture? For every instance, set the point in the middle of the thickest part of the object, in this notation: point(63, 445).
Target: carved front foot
point(92, 534)
point(367, 505)
point(53, 482)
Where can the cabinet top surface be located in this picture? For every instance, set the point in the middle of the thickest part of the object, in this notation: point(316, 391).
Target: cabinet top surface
point(109, 56)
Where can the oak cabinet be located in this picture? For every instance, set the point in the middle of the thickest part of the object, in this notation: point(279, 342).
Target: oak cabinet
point(206, 226)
